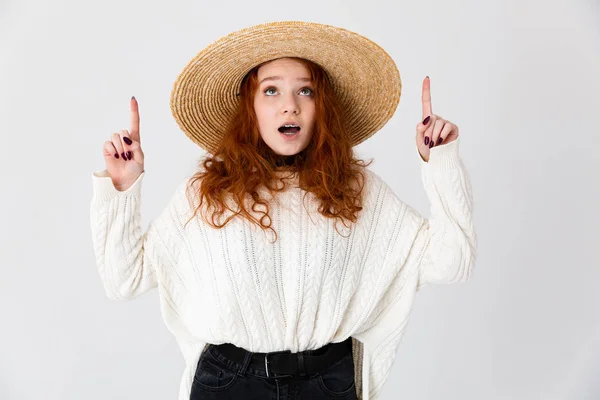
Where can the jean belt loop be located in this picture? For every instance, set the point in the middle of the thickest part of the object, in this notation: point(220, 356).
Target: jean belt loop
point(301, 366)
point(247, 359)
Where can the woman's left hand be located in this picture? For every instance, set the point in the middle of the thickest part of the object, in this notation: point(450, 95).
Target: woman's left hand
point(432, 130)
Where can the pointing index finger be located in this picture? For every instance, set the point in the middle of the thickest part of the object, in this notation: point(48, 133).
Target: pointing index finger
point(426, 98)
point(135, 120)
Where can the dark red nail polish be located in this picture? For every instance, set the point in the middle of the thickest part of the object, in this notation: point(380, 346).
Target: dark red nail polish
point(431, 144)
point(440, 140)
point(426, 120)
point(129, 155)
point(116, 155)
point(426, 140)
point(123, 155)
point(127, 140)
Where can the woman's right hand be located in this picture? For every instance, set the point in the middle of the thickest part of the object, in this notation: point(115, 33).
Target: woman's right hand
point(123, 153)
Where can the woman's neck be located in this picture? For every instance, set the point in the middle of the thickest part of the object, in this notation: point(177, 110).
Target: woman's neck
point(285, 161)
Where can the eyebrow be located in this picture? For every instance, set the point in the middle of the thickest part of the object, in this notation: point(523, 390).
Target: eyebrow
point(275, 78)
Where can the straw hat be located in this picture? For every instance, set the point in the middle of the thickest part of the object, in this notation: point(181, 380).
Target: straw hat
point(364, 77)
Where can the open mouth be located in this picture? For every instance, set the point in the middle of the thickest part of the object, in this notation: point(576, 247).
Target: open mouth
point(289, 130)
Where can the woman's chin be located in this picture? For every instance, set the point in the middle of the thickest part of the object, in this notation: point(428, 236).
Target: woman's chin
point(285, 147)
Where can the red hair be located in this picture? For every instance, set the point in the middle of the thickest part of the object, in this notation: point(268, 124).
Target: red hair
point(243, 162)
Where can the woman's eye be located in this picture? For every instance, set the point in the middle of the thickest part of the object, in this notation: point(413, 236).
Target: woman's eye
point(268, 89)
point(309, 91)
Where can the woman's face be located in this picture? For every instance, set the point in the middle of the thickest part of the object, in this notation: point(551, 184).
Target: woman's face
point(285, 97)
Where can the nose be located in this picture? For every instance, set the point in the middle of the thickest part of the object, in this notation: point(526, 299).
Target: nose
point(290, 105)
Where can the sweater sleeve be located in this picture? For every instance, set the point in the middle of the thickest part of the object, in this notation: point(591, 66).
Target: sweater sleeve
point(446, 241)
point(127, 258)
point(420, 251)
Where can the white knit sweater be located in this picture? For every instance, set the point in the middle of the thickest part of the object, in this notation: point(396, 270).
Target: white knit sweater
point(311, 287)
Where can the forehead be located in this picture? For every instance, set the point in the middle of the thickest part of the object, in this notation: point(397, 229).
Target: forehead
point(283, 67)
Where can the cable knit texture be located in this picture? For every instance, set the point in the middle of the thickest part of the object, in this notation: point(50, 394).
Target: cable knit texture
point(311, 287)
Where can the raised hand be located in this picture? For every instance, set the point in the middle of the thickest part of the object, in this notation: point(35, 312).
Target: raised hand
point(123, 153)
point(432, 130)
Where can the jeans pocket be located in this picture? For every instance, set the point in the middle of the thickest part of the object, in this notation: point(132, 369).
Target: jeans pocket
point(212, 374)
point(338, 380)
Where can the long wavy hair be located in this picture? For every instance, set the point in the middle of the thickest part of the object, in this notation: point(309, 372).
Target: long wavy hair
point(243, 163)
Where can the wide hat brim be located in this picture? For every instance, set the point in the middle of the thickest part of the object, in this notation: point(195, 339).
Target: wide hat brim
point(364, 77)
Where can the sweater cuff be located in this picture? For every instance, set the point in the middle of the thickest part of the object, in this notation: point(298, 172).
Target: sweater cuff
point(444, 157)
point(104, 189)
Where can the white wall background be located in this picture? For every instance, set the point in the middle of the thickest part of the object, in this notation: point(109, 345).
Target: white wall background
point(521, 80)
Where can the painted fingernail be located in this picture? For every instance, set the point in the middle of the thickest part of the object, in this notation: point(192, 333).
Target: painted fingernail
point(440, 140)
point(127, 140)
point(426, 140)
point(431, 144)
point(128, 155)
point(116, 155)
point(426, 120)
point(123, 155)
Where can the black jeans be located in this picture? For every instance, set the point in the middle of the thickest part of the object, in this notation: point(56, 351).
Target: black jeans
point(218, 378)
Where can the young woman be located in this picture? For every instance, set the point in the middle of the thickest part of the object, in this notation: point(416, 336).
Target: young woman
point(285, 267)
